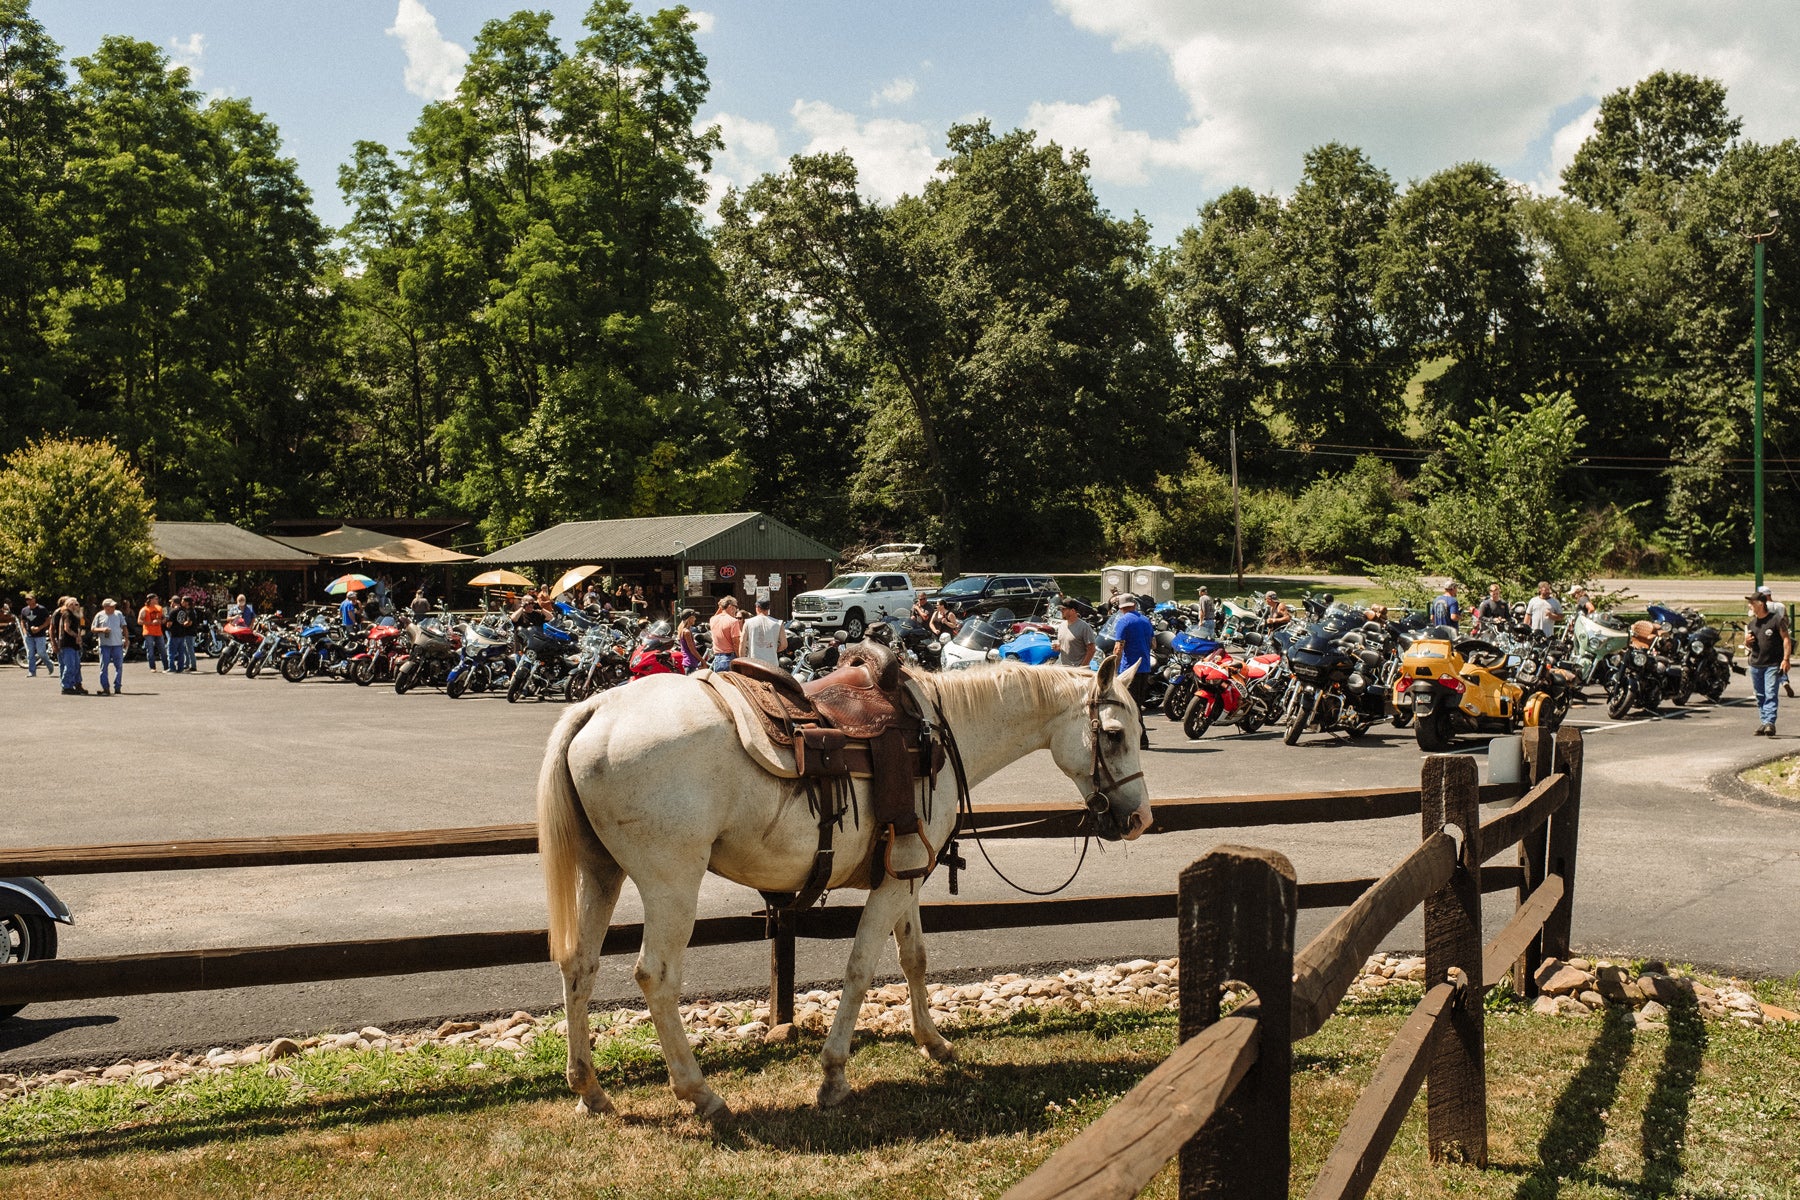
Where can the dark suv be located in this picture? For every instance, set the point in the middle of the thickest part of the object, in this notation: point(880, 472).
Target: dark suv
point(978, 595)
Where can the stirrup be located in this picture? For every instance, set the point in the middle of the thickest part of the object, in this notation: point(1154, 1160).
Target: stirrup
point(887, 856)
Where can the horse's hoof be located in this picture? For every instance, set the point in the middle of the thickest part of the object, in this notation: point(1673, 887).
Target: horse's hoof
point(710, 1108)
point(939, 1051)
point(594, 1105)
point(834, 1092)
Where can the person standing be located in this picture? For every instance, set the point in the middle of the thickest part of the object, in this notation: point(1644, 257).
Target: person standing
point(1491, 613)
point(66, 628)
point(727, 633)
point(421, 605)
point(181, 624)
point(1445, 610)
point(349, 612)
point(1771, 646)
point(156, 644)
point(684, 640)
point(764, 637)
point(1074, 637)
point(1209, 612)
point(1135, 634)
point(1542, 611)
point(36, 619)
point(1578, 600)
point(109, 623)
point(1276, 613)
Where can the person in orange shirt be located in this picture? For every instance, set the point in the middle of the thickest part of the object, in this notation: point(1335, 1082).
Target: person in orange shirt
point(156, 645)
point(727, 633)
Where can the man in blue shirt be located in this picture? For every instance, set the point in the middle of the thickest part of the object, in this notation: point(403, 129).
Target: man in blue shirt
point(348, 610)
point(1135, 635)
point(1444, 609)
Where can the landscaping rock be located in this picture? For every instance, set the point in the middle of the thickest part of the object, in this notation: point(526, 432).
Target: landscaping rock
point(282, 1048)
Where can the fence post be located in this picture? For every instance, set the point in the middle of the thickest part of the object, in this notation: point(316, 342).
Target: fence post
point(1456, 1076)
point(1540, 759)
point(1565, 832)
point(1237, 913)
point(781, 969)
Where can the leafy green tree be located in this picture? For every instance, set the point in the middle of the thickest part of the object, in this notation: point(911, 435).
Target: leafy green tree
point(1497, 510)
point(1344, 367)
point(1456, 282)
point(74, 519)
point(1340, 520)
point(1668, 126)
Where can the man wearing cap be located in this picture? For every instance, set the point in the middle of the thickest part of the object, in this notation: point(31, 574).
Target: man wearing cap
point(1771, 645)
point(36, 619)
point(109, 623)
point(1135, 635)
point(1445, 610)
point(1578, 600)
point(1279, 613)
point(1074, 637)
point(150, 620)
point(1209, 612)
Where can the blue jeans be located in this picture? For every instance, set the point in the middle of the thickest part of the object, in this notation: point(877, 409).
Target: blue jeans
point(70, 657)
point(1766, 683)
point(722, 662)
point(114, 657)
point(156, 650)
point(181, 653)
point(37, 650)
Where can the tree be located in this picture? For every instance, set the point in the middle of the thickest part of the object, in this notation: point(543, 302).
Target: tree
point(74, 519)
point(1456, 281)
point(1497, 511)
point(1669, 126)
point(1343, 367)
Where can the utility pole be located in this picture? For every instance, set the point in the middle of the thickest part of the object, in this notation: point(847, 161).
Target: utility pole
point(1757, 531)
point(1237, 513)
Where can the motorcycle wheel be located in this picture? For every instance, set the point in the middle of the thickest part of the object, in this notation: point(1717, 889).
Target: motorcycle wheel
point(362, 672)
point(405, 678)
point(521, 678)
point(1618, 696)
point(1302, 718)
point(1255, 716)
point(579, 686)
point(1434, 733)
point(227, 660)
point(24, 937)
point(459, 683)
point(481, 678)
point(1175, 700)
point(1199, 717)
point(293, 668)
point(1403, 717)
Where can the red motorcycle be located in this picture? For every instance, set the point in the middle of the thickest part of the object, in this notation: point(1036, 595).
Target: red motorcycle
point(655, 655)
point(241, 640)
point(1225, 693)
point(384, 650)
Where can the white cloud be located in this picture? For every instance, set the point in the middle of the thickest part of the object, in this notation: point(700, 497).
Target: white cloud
point(1418, 84)
point(703, 22)
point(434, 64)
point(752, 149)
point(1563, 145)
point(186, 52)
point(897, 92)
point(892, 157)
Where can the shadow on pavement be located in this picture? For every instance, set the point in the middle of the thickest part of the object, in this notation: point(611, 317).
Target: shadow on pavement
point(19, 1032)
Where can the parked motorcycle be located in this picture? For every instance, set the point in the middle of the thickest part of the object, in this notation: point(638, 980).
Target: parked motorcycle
point(601, 665)
point(1593, 646)
point(277, 640)
point(384, 649)
point(1693, 644)
point(1223, 694)
point(323, 649)
point(1335, 664)
point(548, 661)
point(29, 915)
point(1640, 676)
point(241, 640)
point(433, 650)
point(1464, 685)
point(485, 658)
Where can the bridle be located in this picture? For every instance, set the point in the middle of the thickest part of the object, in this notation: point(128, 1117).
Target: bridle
point(1100, 800)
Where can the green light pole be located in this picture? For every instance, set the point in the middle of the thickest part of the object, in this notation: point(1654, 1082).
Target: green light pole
point(1757, 532)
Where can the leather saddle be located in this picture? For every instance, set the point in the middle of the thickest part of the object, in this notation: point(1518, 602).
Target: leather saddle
point(860, 721)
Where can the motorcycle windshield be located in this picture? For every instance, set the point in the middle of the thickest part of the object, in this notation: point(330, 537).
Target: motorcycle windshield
point(980, 635)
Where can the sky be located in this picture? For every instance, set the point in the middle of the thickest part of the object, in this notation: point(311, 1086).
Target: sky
point(1173, 100)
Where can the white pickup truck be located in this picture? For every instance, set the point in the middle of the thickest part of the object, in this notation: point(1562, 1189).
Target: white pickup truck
point(850, 602)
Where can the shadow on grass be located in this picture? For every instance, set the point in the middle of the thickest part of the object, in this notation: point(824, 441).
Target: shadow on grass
point(1578, 1122)
point(966, 1101)
point(1664, 1134)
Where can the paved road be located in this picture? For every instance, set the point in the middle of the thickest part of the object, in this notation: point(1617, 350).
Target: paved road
point(1715, 595)
point(1669, 867)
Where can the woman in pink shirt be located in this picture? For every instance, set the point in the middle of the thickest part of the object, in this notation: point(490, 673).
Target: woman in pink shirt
point(727, 633)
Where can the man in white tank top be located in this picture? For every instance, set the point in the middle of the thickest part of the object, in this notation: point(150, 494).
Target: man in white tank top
point(764, 637)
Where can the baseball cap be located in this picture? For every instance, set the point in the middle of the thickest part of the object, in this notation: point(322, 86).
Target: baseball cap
point(109, 602)
point(1765, 591)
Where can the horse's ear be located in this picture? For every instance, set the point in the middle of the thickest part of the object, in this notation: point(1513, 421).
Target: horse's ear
point(1109, 670)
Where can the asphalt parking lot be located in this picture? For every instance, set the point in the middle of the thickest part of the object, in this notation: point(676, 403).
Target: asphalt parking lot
point(1672, 865)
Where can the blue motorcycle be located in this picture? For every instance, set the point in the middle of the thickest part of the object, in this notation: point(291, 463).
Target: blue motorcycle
point(323, 650)
point(486, 658)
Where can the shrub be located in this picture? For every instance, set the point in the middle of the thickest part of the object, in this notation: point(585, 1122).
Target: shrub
point(1361, 514)
point(74, 519)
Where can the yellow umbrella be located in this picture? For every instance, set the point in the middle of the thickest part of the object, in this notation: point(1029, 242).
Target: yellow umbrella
point(570, 578)
point(499, 579)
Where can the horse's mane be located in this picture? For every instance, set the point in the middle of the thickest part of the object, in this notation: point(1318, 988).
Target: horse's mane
point(974, 689)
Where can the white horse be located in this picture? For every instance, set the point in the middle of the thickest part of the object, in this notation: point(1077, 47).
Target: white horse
point(650, 781)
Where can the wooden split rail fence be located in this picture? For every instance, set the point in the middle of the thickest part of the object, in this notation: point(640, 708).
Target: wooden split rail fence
point(253, 966)
point(1220, 1102)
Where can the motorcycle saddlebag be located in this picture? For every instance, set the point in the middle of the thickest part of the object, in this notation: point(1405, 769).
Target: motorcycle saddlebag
point(819, 753)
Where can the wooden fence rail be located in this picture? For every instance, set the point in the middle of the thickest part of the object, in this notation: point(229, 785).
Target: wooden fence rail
point(1238, 908)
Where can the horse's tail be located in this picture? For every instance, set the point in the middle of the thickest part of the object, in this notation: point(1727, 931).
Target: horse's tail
point(565, 838)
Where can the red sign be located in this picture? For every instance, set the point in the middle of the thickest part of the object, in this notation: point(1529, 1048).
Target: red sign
point(727, 572)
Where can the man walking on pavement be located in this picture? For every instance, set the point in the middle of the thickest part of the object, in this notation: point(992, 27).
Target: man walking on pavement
point(1209, 612)
point(1135, 634)
point(109, 623)
point(36, 619)
point(1771, 645)
point(150, 620)
point(182, 625)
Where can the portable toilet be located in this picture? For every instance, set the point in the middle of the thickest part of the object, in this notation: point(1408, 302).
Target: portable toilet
point(1115, 579)
point(1158, 583)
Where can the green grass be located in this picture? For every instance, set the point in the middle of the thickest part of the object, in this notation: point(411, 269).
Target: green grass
point(1578, 1108)
point(1781, 776)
